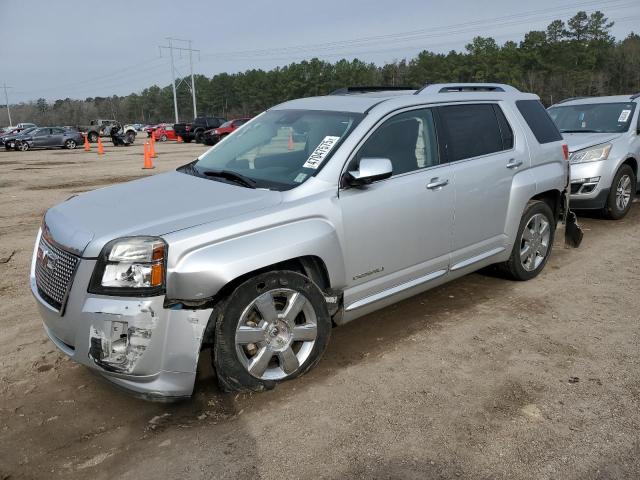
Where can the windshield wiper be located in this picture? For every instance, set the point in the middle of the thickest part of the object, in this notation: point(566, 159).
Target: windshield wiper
point(580, 131)
point(233, 176)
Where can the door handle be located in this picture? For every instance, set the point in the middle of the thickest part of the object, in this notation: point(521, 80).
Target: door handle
point(513, 163)
point(436, 183)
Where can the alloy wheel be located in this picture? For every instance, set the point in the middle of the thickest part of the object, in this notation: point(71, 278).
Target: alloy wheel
point(623, 192)
point(276, 334)
point(534, 244)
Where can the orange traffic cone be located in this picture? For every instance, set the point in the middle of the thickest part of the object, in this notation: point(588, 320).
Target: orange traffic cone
point(180, 139)
point(87, 147)
point(100, 147)
point(152, 148)
point(290, 144)
point(148, 163)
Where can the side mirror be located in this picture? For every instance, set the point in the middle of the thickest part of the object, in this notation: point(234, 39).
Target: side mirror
point(370, 170)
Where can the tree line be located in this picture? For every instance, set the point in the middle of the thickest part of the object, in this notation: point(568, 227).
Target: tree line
point(578, 57)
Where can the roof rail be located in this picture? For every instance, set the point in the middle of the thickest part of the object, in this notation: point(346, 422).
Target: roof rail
point(466, 87)
point(635, 95)
point(348, 90)
point(570, 99)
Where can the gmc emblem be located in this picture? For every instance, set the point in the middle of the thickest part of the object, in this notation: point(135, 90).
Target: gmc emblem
point(47, 258)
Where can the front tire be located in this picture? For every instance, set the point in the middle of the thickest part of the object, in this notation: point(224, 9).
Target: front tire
point(163, 138)
point(273, 327)
point(533, 244)
point(199, 136)
point(22, 146)
point(93, 137)
point(621, 194)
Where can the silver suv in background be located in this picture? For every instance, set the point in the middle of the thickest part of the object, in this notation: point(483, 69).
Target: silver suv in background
point(603, 134)
point(316, 212)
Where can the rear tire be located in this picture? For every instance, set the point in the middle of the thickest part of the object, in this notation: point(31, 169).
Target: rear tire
point(70, 144)
point(533, 244)
point(163, 138)
point(131, 136)
point(93, 137)
point(621, 194)
point(286, 314)
point(199, 136)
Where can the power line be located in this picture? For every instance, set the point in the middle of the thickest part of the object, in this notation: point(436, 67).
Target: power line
point(445, 30)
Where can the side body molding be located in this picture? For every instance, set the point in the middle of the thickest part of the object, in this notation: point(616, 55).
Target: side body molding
point(200, 272)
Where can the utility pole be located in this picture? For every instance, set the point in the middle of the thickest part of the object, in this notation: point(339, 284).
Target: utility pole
point(171, 48)
point(6, 98)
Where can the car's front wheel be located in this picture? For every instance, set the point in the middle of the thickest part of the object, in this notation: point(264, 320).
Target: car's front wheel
point(70, 144)
point(22, 146)
point(534, 242)
point(92, 137)
point(163, 138)
point(273, 327)
point(622, 192)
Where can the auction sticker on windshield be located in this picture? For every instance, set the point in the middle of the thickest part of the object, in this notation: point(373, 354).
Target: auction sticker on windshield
point(624, 116)
point(321, 152)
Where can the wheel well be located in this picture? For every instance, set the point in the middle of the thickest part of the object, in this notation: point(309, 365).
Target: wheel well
point(553, 199)
point(310, 265)
point(633, 163)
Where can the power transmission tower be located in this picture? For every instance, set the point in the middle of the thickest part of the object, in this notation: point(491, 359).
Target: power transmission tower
point(171, 48)
point(6, 98)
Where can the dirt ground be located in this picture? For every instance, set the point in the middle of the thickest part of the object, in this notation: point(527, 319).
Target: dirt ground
point(480, 379)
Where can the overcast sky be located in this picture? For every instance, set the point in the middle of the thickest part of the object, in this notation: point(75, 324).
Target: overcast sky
point(59, 49)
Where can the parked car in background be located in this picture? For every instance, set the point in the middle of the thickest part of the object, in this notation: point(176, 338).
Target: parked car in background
point(148, 129)
point(164, 133)
point(214, 135)
point(49, 137)
point(603, 134)
point(195, 130)
point(23, 126)
point(257, 247)
point(9, 140)
point(102, 128)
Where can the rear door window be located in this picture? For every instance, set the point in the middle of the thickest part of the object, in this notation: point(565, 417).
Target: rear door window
point(539, 121)
point(470, 131)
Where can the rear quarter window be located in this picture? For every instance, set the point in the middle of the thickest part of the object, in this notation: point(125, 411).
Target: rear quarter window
point(539, 121)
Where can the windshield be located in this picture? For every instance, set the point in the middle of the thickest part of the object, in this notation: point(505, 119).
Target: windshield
point(280, 149)
point(593, 117)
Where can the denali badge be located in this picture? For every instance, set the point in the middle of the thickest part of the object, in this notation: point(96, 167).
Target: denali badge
point(370, 272)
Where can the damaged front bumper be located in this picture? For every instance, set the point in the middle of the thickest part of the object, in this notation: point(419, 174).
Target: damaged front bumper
point(135, 343)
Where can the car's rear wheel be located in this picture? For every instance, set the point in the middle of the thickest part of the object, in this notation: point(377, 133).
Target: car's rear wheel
point(93, 137)
point(273, 327)
point(70, 144)
point(533, 244)
point(163, 138)
point(621, 194)
point(131, 136)
point(199, 136)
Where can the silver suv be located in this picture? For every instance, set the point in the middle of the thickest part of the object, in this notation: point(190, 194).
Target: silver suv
point(316, 212)
point(603, 134)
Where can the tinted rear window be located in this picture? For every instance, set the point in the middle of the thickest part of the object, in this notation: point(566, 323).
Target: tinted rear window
point(470, 131)
point(539, 121)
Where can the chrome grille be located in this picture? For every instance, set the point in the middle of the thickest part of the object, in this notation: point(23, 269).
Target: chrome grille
point(54, 273)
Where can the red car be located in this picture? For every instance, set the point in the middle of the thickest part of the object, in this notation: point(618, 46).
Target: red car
point(164, 132)
point(213, 136)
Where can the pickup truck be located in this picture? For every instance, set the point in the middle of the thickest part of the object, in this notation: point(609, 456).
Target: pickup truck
point(102, 128)
point(195, 130)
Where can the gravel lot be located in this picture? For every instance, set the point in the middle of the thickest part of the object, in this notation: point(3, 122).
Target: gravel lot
point(481, 379)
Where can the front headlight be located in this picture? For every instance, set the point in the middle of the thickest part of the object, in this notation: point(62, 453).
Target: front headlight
point(131, 266)
point(591, 154)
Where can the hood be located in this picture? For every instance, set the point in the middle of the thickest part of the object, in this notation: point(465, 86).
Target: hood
point(579, 141)
point(155, 206)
